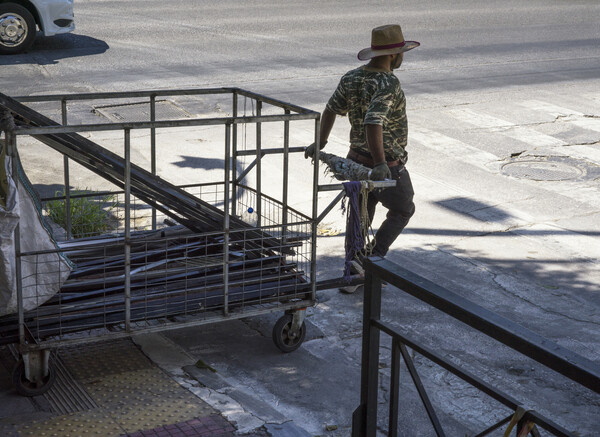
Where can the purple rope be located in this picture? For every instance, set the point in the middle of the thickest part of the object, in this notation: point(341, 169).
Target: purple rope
point(354, 239)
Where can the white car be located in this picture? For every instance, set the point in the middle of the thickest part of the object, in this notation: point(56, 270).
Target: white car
point(19, 18)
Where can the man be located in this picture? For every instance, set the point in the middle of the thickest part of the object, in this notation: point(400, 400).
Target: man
point(372, 98)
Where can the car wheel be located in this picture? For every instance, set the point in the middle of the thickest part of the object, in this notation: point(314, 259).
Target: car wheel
point(17, 29)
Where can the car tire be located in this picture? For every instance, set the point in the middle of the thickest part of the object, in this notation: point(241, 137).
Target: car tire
point(17, 29)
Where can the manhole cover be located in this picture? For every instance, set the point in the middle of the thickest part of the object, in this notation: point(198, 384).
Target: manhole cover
point(551, 168)
point(140, 111)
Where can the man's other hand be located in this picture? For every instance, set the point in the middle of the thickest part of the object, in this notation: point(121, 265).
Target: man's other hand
point(381, 172)
point(309, 152)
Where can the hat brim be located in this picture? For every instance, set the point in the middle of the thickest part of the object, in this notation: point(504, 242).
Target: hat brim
point(370, 53)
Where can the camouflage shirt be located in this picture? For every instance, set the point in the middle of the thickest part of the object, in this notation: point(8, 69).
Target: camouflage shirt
point(370, 96)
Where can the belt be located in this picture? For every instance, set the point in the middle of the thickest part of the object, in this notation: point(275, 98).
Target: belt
point(357, 157)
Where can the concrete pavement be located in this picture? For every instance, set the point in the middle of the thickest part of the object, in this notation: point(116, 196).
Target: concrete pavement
point(521, 244)
point(503, 109)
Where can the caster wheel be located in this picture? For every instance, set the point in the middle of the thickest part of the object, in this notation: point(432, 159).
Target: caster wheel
point(283, 337)
point(27, 388)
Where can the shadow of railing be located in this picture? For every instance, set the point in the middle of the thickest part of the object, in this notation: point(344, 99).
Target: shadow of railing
point(516, 337)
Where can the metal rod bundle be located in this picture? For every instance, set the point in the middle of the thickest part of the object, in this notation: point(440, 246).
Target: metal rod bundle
point(170, 276)
point(171, 200)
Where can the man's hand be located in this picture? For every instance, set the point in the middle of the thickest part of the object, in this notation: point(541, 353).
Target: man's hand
point(381, 172)
point(310, 150)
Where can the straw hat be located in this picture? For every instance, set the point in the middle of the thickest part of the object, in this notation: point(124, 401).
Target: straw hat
point(387, 40)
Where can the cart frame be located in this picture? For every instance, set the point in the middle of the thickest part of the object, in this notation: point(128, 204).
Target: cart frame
point(34, 351)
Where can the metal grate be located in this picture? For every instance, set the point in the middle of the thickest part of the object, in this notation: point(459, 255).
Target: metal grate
point(66, 395)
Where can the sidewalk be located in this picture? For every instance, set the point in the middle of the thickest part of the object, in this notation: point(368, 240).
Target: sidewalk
point(108, 388)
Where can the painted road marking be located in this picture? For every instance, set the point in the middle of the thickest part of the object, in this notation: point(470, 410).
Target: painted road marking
point(451, 146)
point(574, 117)
point(512, 130)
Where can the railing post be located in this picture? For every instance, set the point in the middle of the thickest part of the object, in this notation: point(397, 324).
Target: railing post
point(63, 108)
point(258, 205)
point(315, 212)
point(234, 155)
point(127, 179)
point(394, 388)
point(286, 165)
point(364, 419)
point(153, 149)
point(226, 219)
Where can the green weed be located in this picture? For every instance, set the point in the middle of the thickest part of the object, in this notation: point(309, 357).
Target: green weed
point(89, 215)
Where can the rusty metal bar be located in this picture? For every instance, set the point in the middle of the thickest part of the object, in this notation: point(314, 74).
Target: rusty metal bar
point(286, 170)
point(153, 148)
point(127, 177)
point(258, 206)
point(234, 156)
point(65, 122)
point(315, 209)
point(226, 208)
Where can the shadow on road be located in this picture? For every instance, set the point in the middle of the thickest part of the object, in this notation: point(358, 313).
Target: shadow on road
point(50, 50)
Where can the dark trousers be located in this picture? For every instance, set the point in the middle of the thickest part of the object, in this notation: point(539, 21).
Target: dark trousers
point(399, 202)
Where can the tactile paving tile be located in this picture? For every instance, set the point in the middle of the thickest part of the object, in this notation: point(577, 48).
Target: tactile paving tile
point(131, 389)
point(131, 392)
point(88, 423)
point(8, 430)
point(87, 363)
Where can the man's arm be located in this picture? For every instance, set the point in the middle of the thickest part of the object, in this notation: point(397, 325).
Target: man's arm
point(375, 142)
point(380, 170)
point(327, 122)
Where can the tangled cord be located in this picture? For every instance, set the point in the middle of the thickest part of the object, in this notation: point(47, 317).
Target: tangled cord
point(357, 222)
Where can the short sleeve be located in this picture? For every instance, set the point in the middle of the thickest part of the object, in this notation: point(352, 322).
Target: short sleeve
point(338, 102)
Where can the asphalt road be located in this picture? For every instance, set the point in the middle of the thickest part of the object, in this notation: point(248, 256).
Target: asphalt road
point(504, 115)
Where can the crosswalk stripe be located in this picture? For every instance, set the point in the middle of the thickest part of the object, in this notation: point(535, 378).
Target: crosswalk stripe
point(550, 108)
point(450, 146)
point(574, 117)
point(507, 128)
point(585, 152)
point(588, 123)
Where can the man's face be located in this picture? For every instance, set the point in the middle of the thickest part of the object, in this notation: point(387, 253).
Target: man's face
point(397, 61)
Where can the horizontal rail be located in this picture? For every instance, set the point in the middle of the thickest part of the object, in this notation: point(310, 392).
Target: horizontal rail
point(165, 93)
point(117, 192)
point(201, 319)
point(513, 335)
point(220, 121)
point(252, 152)
point(124, 94)
point(275, 102)
point(376, 184)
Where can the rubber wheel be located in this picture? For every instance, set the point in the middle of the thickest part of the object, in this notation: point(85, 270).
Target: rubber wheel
point(27, 388)
point(17, 29)
point(282, 335)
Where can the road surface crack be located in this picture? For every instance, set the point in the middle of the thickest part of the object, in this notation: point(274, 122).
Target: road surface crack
point(494, 276)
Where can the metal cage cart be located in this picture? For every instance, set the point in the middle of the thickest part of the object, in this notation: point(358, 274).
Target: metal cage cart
point(166, 255)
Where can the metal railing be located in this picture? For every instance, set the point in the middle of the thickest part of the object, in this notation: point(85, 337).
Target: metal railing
point(516, 337)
